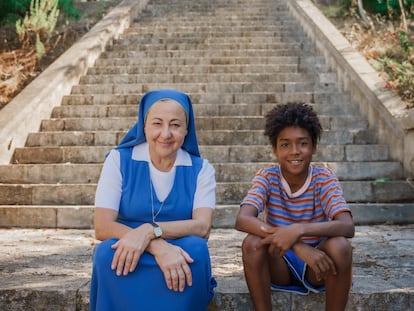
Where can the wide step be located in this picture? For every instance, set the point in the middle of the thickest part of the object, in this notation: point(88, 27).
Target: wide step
point(32, 274)
point(226, 193)
point(68, 173)
point(215, 154)
point(81, 216)
point(205, 137)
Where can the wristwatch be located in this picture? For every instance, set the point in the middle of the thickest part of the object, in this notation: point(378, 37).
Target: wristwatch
point(157, 230)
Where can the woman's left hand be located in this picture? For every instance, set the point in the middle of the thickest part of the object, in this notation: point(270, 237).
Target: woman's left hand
point(129, 249)
point(174, 263)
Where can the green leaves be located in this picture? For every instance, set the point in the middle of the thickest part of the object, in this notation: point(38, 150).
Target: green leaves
point(37, 26)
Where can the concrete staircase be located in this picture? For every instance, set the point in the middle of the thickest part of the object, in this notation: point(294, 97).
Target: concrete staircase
point(236, 59)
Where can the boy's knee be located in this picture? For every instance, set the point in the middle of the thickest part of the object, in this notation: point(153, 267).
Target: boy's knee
point(249, 245)
point(340, 249)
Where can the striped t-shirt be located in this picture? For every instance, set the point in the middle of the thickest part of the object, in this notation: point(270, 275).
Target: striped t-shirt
point(321, 201)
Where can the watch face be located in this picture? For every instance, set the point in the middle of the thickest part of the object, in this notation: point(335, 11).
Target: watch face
point(157, 231)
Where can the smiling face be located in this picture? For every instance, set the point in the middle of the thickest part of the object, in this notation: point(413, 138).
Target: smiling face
point(294, 149)
point(165, 130)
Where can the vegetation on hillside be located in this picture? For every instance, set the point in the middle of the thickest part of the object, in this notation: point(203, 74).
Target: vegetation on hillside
point(36, 28)
point(32, 23)
point(13, 10)
point(383, 31)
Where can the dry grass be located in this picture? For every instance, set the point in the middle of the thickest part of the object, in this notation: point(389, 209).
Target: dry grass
point(16, 68)
point(387, 46)
point(390, 50)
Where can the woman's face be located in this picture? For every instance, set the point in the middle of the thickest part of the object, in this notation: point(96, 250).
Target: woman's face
point(165, 128)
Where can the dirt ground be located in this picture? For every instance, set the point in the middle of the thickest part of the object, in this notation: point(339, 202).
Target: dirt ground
point(18, 66)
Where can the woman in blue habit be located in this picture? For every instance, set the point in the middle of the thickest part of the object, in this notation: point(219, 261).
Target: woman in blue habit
point(154, 207)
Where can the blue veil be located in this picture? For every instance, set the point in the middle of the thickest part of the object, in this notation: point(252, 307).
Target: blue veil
point(136, 134)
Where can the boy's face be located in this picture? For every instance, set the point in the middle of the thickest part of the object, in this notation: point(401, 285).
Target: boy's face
point(294, 149)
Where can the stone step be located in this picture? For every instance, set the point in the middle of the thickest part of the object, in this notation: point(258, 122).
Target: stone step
point(212, 98)
point(362, 214)
point(294, 46)
point(60, 154)
point(200, 110)
point(196, 40)
point(215, 154)
point(213, 33)
point(153, 16)
point(204, 12)
point(81, 216)
point(200, 69)
point(203, 123)
point(167, 61)
point(232, 87)
point(191, 51)
point(393, 191)
point(68, 173)
point(47, 216)
point(213, 12)
point(211, 8)
point(51, 269)
point(210, 78)
point(205, 137)
point(193, 32)
point(398, 191)
point(242, 17)
point(213, 28)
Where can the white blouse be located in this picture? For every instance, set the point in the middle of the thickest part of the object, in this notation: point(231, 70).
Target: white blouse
point(109, 189)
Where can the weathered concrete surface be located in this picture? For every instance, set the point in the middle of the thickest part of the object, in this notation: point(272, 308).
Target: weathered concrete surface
point(50, 270)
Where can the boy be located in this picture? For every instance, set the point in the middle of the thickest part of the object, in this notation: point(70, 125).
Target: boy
point(301, 243)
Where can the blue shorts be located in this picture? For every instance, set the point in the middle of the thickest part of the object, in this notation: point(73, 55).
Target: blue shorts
point(298, 270)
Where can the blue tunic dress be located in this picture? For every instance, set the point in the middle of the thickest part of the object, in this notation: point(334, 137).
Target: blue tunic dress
point(145, 288)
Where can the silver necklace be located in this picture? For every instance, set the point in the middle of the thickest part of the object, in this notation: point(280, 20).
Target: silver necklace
point(152, 204)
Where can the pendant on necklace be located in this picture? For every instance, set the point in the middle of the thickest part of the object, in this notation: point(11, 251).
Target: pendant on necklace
point(154, 215)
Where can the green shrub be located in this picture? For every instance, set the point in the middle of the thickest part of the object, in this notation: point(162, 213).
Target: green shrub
point(385, 6)
point(37, 26)
point(67, 8)
point(12, 10)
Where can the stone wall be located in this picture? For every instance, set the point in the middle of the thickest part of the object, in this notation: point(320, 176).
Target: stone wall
point(385, 111)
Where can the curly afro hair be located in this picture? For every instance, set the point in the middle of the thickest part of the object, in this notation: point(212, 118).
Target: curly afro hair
point(292, 114)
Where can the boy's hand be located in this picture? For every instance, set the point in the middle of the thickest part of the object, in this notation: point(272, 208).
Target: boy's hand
point(319, 262)
point(280, 239)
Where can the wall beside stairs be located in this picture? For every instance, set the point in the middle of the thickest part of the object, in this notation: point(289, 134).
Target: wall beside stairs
point(36, 102)
point(384, 110)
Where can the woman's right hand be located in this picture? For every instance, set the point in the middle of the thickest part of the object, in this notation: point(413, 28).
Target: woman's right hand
point(129, 249)
point(174, 263)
